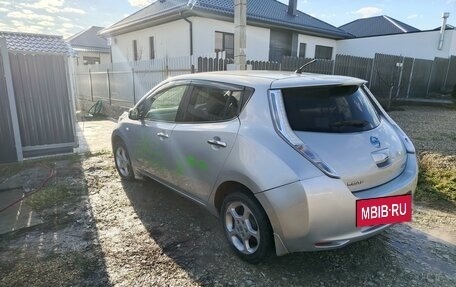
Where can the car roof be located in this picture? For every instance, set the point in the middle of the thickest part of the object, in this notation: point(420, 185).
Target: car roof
point(273, 79)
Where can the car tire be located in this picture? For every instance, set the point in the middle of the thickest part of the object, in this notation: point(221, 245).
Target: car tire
point(246, 227)
point(122, 161)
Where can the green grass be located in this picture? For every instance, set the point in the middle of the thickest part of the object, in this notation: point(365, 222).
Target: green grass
point(51, 196)
point(8, 170)
point(437, 179)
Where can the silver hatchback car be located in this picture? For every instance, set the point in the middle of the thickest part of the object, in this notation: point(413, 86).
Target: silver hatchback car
point(281, 158)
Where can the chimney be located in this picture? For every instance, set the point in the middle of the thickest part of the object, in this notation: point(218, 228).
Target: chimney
point(445, 17)
point(292, 7)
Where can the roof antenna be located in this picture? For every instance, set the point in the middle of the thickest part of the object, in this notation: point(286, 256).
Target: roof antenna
point(299, 71)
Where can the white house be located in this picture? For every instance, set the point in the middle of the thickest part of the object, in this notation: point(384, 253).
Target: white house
point(173, 28)
point(386, 35)
point(423, 45)
point(91, 48)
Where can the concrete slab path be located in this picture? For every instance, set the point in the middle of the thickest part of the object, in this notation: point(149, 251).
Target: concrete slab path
point(95, 135)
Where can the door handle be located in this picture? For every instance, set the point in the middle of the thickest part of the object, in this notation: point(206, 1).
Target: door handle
point(162, 135)
point(216, 143)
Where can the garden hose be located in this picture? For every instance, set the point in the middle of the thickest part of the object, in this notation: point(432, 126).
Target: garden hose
point(95, 110)
point(51, 174)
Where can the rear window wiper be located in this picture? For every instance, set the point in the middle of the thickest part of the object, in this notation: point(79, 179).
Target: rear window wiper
point(350, 123)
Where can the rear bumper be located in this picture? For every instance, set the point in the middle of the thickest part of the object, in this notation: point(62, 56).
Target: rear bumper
point(320, 213)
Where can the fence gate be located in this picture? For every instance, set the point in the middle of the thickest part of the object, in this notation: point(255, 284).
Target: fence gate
point(43, 103)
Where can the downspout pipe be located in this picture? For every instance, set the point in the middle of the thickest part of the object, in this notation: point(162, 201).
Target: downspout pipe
point(190, 23)
point(442, 29)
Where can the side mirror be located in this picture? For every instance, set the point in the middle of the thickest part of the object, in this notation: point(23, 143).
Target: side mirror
point(133, 114)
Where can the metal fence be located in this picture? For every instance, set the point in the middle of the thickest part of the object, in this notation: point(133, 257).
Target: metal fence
point(43, 101)
point(123, 84)
point(42, 105)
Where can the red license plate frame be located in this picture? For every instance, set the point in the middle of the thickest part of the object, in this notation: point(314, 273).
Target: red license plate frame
point(383, 210)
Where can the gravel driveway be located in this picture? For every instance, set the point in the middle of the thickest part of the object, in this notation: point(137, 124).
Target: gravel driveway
point(152, 236)
point(142, 234)
point(432, 129)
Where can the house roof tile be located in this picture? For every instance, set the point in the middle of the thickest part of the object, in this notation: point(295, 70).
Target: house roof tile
point(376, 26)
point(270, 12)
point(89, 40)
point(36, 43)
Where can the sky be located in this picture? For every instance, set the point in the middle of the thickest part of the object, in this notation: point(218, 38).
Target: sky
point(67, 17)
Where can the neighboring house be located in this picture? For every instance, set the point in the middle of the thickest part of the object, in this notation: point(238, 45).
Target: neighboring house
point(91, 47)
point(376, 26)
point(36, 98)
point(173, 28)
point(447, 27)
point(422, 45)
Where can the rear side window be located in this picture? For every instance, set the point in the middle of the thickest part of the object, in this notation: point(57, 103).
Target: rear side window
point(212, 103)
point(332, 109)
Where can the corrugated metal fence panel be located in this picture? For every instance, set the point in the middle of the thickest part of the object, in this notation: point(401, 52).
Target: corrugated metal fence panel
point(420, 78)
point(83, 82)
point(121, 81)
point(439, 70)
point(99, 77)
point(147, 75)
point(42, 99)
point(8, 148)
point(180, 65)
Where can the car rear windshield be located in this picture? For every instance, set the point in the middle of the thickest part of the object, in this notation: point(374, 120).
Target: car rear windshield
point(332, 109)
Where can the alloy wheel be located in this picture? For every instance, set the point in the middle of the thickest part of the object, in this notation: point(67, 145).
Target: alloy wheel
point(242, 227)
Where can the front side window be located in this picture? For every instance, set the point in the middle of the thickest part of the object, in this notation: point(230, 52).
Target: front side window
point(209, 104)
point(224, 42)
point(151, 48)
point(323, 52)
point(135, 50)
point(162, 106)
point(333, 109)
point(87, 60)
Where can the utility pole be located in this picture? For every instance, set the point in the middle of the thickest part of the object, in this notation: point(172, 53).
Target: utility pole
point(240, 26)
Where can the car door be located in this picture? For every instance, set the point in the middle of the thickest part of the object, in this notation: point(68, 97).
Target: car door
point(204, 137)
point(153, 131)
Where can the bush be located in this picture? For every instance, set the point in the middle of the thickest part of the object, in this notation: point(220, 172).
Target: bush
point(453, 94)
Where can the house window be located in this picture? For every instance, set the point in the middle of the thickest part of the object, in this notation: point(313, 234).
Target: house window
point(323, 52)
point(135, 50)
point(302, 50)
point(86, 60)
point(152, 48)
point(224, 42)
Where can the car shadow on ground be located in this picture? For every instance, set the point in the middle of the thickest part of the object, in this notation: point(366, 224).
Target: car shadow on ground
point(194, 239)
point(64, 249)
